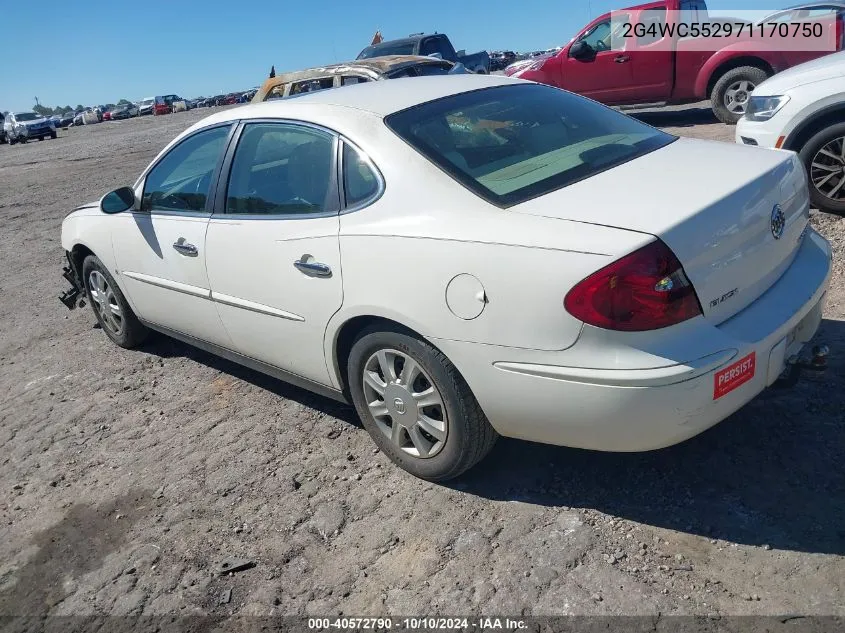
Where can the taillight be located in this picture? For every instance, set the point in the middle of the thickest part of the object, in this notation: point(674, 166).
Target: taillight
point(645, 290)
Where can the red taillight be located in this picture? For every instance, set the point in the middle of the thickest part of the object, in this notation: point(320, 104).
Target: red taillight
point(645, 290)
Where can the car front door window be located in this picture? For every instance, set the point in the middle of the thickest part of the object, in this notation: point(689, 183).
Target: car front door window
point(181, 181)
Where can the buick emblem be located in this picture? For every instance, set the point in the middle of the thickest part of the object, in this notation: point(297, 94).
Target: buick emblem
point(400, 405)
point(778, 222)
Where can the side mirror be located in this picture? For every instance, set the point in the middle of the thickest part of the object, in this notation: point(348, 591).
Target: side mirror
point(581, 50)
point(118, 200)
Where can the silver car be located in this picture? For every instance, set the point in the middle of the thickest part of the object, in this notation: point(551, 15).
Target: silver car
point(21, 127)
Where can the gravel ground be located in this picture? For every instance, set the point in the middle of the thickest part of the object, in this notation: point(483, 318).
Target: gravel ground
point(128, 478)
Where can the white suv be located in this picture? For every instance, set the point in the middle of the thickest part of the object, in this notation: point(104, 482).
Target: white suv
point(803, 109)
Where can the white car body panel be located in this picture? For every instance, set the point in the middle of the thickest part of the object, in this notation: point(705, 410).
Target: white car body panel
point(537, 372)
point(812, 88)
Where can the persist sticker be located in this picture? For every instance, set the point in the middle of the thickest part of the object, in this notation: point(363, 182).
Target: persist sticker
point(734, 375)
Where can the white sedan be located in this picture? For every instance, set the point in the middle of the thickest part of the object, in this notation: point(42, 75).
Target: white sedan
point(803, 109)
point(467, 257)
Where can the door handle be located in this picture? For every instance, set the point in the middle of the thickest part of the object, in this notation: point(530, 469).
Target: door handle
point(621, 59)
point(311, 268)
point(184, 248)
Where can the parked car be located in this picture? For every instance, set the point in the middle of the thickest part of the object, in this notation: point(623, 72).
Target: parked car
point(146, 106)
point(21, 127)
point(124, 111)
point(427, 45)
point(107, 115)
point(666, 69)
point(164, 104)
point(349, 73)
point(2, 128)
point(499, 60)
point(66, 119)
point(629, 332)
point(803, 110)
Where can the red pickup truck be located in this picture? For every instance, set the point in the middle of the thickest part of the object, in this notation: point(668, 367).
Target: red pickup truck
point(655, 65)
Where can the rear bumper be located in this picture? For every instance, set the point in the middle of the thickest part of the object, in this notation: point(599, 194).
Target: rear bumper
point(536, 396)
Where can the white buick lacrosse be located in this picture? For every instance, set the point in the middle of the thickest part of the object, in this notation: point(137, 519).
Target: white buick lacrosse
point(466, 257)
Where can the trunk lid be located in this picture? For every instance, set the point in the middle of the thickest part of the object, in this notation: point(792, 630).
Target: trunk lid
point(714, 204)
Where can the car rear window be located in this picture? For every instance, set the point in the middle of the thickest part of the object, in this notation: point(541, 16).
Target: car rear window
point(509, 144)
point(383, 50)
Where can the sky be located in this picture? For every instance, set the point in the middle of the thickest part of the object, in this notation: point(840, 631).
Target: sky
point(98, 52)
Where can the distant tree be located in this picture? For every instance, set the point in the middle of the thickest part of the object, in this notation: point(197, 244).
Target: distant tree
point(67, 108)
point(42, 110)
point(272, 71)
point(80, 107)
point(123, 102)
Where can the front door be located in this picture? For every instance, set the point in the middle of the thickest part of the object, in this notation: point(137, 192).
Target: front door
point(160, 248)
point(273, 254)
point(606, 75)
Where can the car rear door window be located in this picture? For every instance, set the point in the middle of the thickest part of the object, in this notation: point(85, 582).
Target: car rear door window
point(282, 169)
point(181, 180)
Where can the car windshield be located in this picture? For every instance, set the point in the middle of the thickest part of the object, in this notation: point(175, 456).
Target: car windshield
point(509, 144)
point(382, 50)
point(27, 116)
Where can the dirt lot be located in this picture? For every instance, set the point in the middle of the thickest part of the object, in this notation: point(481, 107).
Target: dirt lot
point(127, 478)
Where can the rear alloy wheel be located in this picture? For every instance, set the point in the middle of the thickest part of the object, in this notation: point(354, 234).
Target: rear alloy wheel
point(732, 92)
point(824, 158)
point(110, 306)
point(416, 406)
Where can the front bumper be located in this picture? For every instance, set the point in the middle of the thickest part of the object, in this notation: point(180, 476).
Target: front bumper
point(760, 134)
point(29, 132)
point(535, 396)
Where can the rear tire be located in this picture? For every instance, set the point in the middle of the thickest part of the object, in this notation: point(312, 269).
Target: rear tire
point(12, 140)
point(465, 435)
point(731, 92)
point(110, 307)
point(831, 139)
point(53, 135)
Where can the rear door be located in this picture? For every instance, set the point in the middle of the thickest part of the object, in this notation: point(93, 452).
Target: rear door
point(652, 55)
point(273, 250)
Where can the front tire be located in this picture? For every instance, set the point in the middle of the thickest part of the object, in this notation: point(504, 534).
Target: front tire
point(732, 91)
point(416, 406)
point(824, 159)
point(110, 306)
point(53, 135)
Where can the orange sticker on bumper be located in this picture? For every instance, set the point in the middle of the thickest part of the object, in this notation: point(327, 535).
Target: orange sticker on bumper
point(734, 375)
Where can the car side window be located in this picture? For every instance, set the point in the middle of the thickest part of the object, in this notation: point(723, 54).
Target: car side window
point(181, 181)
point(598, 38)
point(360, 182)
point(281, 169)
point(350, 80)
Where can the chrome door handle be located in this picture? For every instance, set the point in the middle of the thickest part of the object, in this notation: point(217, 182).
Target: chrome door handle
point(621, 59)
point(184, 248)
point(312, 268)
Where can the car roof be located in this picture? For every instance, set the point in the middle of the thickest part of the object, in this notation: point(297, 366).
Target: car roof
point(373, 67)
point(380, 98)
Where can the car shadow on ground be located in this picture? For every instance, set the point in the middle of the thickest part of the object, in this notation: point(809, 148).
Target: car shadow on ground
point(686, 117)
point(771, 474)
point(166, 347)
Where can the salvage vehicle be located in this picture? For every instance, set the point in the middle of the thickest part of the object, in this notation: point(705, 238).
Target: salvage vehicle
point(146, 106)
point(350, 73)
point(803, 110)
point(485, 289)
point(124, 111)
point(664, 68)
point(437, 45)
point(2, 128)
point(21, 127)
point(499, 60)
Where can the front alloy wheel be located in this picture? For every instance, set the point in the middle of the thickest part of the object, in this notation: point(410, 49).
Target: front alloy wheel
point(105, 303)
point(737, 96)
point(827, 171)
